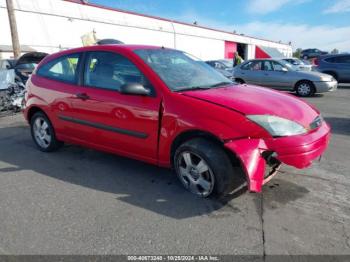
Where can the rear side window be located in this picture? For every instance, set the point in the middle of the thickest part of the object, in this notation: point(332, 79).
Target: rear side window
point(253, 65)
point(64, 68)
point(111, 71)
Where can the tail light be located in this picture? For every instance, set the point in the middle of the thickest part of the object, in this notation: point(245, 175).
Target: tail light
point(316, 62)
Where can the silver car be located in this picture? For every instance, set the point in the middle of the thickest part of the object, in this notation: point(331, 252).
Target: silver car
point(281, 75)
point(298, 64)
point(223, 66)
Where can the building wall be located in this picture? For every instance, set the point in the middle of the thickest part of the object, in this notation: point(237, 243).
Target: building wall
point(259, 53)
point(53, 25)
point(230, 49)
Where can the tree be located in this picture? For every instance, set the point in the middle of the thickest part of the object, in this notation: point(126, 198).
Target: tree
point(335, 51)
point(297, 53)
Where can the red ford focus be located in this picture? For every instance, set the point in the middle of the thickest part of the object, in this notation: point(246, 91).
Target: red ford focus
point(167, 108)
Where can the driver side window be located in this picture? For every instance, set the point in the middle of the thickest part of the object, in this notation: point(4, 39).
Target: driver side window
point(253, 65)
point(277, 66)
point(110, 71)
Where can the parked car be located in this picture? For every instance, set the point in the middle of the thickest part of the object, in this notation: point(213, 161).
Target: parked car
point(280, 75)
point(22, 66)
point(224, 66)
point(164, 107)
point(311, 53)
point(298, 64)
point(337, 66)
point(13, 75)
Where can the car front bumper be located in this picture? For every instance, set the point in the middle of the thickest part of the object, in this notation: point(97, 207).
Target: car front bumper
point(298, 151)
point(326, 86)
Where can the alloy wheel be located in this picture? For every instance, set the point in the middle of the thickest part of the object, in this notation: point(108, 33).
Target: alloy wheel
point(195, 174)
point(304, 89)
point(41, 132)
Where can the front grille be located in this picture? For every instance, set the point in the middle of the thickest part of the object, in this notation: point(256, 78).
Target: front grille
point(316, 122)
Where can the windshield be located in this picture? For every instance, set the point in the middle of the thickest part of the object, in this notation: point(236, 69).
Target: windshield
point(181, 71)
point(293, 61)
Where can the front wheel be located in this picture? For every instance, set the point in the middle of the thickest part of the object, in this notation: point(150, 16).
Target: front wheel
point(43, 133)
point(305, 89)
point(204, 168)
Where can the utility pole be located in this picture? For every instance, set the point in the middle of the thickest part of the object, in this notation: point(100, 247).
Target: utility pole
point(13, 26)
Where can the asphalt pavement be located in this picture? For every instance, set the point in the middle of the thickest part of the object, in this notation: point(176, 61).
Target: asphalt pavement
point(80, 201)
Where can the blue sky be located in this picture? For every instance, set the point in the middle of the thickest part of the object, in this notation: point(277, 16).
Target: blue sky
point(323, 24)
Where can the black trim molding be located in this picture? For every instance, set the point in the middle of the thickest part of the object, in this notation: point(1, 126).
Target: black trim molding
point(104, 127)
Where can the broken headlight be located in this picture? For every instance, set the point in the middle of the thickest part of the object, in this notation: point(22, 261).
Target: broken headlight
point(278, 126)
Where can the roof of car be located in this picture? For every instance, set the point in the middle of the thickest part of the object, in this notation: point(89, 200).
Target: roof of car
point(263, 59)
point(333, 55)
point(115, 47)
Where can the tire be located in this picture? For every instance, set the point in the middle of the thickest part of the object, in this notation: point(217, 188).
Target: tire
point(239, 81)
point(204, 168)
point(305, 88)
point(43, 133)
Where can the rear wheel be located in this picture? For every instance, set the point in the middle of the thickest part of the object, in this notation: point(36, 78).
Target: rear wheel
point(43, 133)
point(304, 89)
point(239, 81)
point(204, 168)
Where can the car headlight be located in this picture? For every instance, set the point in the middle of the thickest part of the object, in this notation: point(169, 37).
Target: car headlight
point(278, 126)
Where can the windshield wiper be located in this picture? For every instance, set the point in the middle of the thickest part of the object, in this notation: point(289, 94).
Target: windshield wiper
point(204, 87)
point(193, 88)
point(221, 84)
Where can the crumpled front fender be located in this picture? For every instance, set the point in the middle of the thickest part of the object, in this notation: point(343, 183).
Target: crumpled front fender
point(249, 152)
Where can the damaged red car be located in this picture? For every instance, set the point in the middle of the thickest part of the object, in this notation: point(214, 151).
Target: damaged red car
point(165, 107)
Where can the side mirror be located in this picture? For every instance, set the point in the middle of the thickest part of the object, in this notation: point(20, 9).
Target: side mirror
point(135, 89)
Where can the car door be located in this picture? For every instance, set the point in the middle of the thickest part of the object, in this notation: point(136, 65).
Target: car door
point(275, 75)
point(251, 72)
point(114, 121)
point(57, 81)
point(343, 68)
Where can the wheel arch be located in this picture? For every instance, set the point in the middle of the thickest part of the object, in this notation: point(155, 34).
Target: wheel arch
point(34, 109)
point(191, 134)
point(303, 81)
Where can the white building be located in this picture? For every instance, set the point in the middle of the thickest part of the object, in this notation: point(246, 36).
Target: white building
point(53, 25)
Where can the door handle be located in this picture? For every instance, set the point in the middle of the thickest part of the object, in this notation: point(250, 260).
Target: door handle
point(82, 96)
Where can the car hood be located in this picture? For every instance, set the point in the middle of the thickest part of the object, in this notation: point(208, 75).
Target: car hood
point(31, 57)
point(254, 100)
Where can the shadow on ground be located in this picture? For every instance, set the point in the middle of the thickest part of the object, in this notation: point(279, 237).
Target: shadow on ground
point(340, 126)
point(131, 181)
